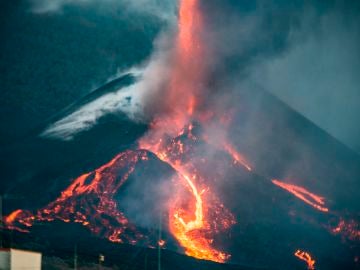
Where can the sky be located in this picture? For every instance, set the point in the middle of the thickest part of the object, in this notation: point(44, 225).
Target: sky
point(319, 74)
point(303, 52)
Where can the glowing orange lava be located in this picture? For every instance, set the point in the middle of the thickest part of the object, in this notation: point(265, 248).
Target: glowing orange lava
point(190, 210)
point(238, 158)
point(187, 73)
point(350, 229)
point(12, 217)
point(312, 199)
point(89, 200)
point(302, 255)
point(189, 226)
point(161, 243)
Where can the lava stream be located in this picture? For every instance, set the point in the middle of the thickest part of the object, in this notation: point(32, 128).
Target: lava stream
point(305, 256)
point(312, 199)
point(90, 201)
point(189, 219)
point(238, 158)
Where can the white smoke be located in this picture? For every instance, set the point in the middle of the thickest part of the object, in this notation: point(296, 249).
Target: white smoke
point(131, 100)
point(125, 100)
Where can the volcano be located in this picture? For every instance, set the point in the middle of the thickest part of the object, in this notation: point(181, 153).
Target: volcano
point(266, 219)
point(255, 185)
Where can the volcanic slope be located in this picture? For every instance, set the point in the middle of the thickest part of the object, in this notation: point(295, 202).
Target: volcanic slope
point(271, 223)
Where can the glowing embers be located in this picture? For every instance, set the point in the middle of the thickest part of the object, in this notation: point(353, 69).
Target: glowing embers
point(161, 243)
point(302, 255)
point(349, 229)
point(312, 199)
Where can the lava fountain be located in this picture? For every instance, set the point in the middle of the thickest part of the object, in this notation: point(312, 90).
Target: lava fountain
point(190, 224)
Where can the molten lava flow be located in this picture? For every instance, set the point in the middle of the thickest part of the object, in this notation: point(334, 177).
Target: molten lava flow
point(238, 158)
point(348, 228)
point(192, 225)
point(195, 214)
point(187, 23)
point(12, 217)
point(89, 200)
point(310, 198)
point(302, 255)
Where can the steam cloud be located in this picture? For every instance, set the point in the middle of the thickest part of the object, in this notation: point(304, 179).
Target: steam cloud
point(126, 101)
point(130, 100)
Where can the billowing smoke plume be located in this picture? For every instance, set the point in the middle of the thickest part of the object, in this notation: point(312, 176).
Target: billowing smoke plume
point(129, 100)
